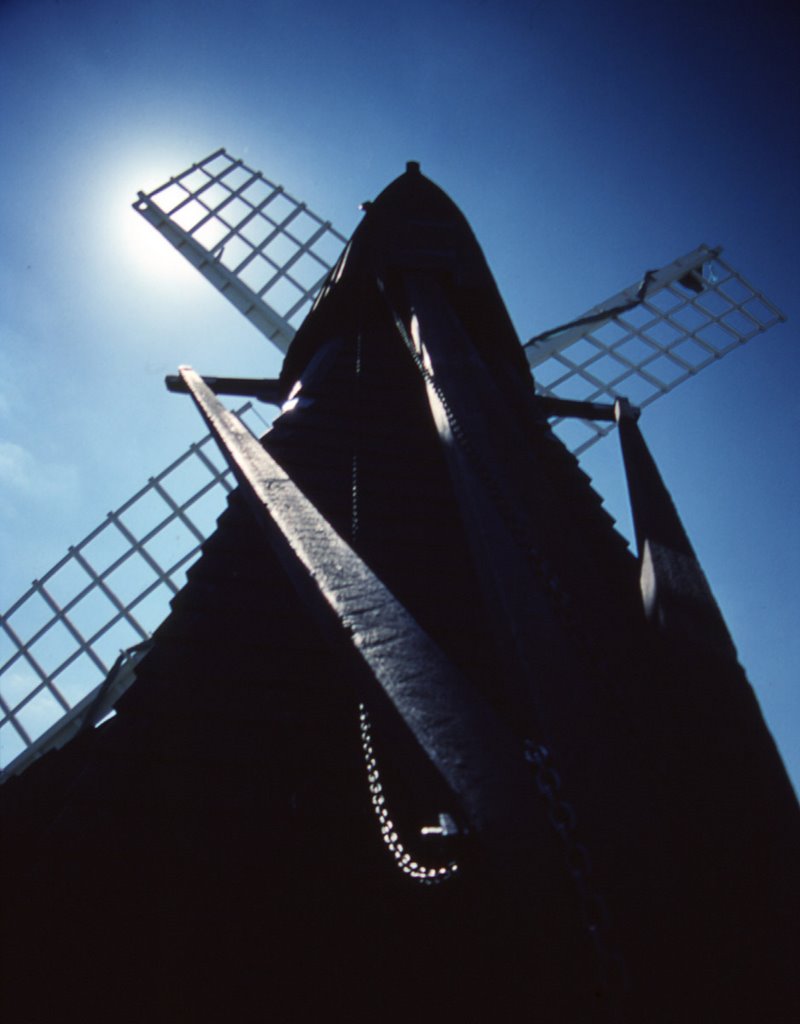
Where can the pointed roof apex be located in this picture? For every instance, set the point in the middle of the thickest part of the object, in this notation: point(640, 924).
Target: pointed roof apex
point(412, 167)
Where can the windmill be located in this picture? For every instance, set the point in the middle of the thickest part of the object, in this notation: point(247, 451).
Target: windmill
point(569, 721)
point(268, 254)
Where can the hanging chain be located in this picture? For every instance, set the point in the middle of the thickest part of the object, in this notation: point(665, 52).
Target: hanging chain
point(612, 977)
point(509, 513)
point(356, 439)
point(404, 860)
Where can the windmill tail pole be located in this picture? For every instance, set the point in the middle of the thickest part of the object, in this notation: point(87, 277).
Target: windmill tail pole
point(398, 666)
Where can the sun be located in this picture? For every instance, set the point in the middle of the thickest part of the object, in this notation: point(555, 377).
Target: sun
point(149, 254)
point(142, 252)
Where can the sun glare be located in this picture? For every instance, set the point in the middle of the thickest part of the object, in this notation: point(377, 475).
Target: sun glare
point(142, 251)
point(149, 254)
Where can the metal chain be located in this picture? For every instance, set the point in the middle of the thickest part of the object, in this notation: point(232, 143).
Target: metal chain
point(612, 976)
point(404, 860)
point(356, 437)
point(518, 530)
point(558, 598)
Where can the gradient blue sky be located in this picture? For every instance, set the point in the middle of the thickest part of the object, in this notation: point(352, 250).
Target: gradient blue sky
point(585, 142)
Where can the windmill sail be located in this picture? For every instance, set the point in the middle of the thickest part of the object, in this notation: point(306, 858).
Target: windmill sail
point(649, 338)
point(265, 251)
point(61, 638)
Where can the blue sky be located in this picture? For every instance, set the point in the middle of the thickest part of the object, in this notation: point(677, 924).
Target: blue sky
point(585, 142)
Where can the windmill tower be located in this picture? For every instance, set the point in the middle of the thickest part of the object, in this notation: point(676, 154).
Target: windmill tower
point(415, 630)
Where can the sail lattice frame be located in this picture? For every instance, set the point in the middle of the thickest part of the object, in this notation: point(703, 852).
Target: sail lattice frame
point(59, 640)
point(265, 251)
point(694, 311)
